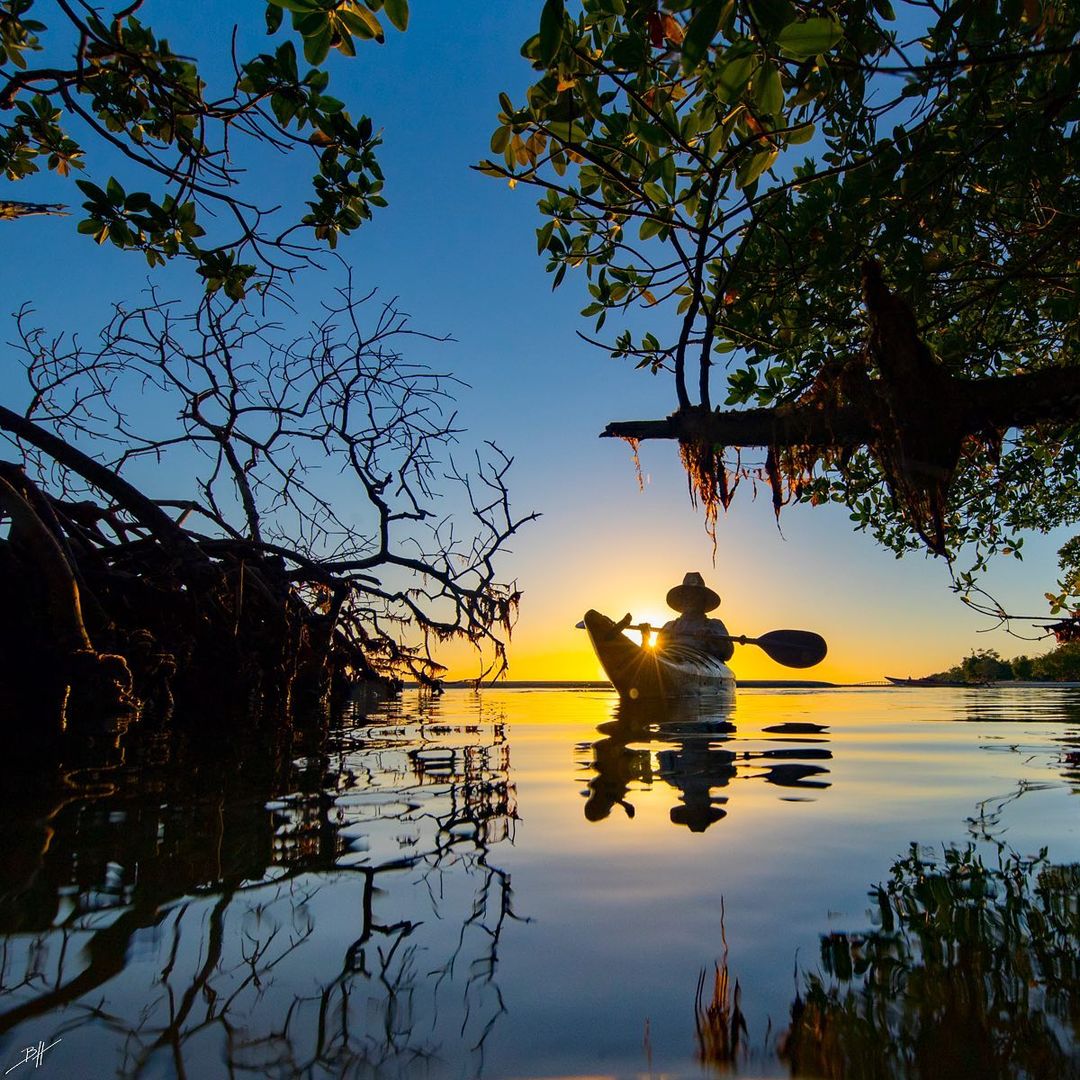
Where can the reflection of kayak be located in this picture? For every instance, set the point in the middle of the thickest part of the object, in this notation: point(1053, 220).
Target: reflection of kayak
point(663, 673)
point(690, 744)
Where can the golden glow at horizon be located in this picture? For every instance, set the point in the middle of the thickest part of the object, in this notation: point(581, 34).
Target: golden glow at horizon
point(545, 645)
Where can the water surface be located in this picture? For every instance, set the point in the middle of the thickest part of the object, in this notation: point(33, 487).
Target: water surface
point(517, 883)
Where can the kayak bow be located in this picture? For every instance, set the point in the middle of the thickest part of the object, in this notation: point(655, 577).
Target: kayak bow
point(665, 673)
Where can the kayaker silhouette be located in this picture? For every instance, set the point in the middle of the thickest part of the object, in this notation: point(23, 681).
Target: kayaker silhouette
point(692, 599)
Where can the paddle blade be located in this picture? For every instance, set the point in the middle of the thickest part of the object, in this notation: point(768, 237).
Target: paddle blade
point(794, 648)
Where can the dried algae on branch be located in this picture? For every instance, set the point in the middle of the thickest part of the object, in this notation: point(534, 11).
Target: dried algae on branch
point(918, 422)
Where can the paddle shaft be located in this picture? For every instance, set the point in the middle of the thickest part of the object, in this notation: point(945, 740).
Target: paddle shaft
point(739, 639)
point(792, 648)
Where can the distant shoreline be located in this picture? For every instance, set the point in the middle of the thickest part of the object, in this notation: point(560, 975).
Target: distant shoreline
point(751, 684)
point(595, 684)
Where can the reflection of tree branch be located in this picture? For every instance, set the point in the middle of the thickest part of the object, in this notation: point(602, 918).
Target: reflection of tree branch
point(985, 824)
point(107, 950)
point(244, 867)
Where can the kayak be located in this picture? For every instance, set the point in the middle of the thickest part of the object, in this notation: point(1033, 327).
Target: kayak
point(665, 673)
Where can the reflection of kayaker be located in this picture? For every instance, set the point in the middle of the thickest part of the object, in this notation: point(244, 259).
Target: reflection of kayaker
point(689, 761)
point(617, 767)
point(692, 747)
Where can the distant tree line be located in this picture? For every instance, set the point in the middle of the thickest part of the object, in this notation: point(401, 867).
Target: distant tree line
point(987, 665)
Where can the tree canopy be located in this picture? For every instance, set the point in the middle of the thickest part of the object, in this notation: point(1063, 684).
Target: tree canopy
point(845, 234)
point(85, 89)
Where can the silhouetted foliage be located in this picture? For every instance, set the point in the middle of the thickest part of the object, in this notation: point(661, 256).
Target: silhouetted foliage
point(859, 215)
point(303, 550)
point(306, 547)
point(1061, 664)
point(85, 92)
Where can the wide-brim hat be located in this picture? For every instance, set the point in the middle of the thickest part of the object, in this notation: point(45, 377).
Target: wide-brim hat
point(692, 595)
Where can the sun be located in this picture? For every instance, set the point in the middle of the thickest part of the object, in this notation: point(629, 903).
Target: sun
point(654, 618)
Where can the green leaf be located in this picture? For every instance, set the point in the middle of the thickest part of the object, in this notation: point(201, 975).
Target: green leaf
point(668, 175)
point(317, 47)
point(500, 140)
point(551, 29)
point(701, 31)
point(362, 23)
point(801, 134)
point(90, 190)
point(771, 15)
point(650, 227)
point(753, 167)
point(656, 194)
point(768, 90)
point(310, 23)
point(809, 38)
point(567, 131)
point(397, 11)
point(732, 78)
point(652, 134)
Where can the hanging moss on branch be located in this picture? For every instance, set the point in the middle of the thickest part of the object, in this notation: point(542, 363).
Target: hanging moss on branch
point(918, 421)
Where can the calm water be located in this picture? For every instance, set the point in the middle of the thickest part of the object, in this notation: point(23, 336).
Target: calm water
point(516, 884)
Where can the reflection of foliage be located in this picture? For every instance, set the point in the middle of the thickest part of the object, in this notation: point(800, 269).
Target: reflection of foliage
point(974, 971)
point(314, 910)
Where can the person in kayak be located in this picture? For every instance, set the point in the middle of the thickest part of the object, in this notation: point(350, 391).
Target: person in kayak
point(693, 599)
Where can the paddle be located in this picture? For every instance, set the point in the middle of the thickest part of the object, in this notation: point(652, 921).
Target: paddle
point(792, 648)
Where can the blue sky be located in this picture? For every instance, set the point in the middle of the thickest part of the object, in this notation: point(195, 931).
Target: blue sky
point(459, 251)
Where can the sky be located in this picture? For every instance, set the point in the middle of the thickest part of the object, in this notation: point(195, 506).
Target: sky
point(458, 249)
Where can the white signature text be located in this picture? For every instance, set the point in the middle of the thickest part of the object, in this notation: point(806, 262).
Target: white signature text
point(34, 1054)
